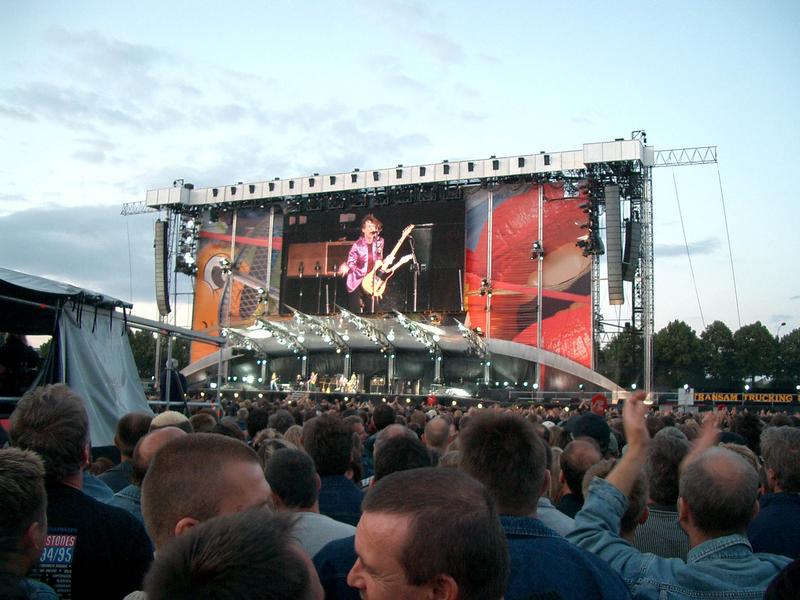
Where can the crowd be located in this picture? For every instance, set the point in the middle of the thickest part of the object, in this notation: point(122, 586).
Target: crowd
point(307, 500)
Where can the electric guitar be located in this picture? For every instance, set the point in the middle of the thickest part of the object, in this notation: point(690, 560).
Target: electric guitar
point(375, 281)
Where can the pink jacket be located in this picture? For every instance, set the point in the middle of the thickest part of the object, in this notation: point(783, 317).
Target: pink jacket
point(358, 260)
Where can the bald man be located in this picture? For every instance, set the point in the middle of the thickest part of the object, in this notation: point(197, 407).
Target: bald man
point(437, 435)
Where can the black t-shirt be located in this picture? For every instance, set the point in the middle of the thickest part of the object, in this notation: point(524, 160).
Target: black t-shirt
point(92, 550)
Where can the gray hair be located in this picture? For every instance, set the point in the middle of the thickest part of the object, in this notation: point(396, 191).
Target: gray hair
point(52, 421)
point(780, 449)
point(720, 488)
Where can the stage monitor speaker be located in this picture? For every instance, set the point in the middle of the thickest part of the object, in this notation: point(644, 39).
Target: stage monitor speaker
point(616, 294)
point(633, 245)
point(162, 270)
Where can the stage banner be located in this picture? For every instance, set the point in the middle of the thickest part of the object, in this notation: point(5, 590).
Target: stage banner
point(426, 240)
point(232, 287)
point(566, 273)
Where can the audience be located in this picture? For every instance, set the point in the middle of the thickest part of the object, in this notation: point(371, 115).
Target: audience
point(679, 515)
point(717, 500)
point(91, 548)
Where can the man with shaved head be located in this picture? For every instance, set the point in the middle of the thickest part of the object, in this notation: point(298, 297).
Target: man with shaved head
point(717, 499)
point(196, 477)
point(437, 435)
point(130, 497)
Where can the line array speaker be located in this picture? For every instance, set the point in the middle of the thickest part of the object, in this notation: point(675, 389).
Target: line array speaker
point(162, 272)
point(616, 294)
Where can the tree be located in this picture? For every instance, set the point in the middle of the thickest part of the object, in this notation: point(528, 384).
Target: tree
point(622, 359)
point(787, 373)
point(143, 346)
point(718, 357)
point(676, 356)
point(756, 352)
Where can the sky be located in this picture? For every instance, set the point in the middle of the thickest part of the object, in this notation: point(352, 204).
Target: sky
point(101, 101)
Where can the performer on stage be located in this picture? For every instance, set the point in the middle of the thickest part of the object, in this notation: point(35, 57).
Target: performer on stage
point(360, 260)
point(365, 252)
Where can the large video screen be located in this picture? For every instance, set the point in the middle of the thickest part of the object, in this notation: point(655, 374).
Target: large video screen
point(406, 257)
point(566, 273)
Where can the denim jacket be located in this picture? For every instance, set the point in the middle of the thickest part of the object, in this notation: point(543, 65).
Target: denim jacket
point(721, 568)
point(129, 498)
point(545, 565)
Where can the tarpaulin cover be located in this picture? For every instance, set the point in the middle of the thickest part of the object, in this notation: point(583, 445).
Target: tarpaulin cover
point(90, 346)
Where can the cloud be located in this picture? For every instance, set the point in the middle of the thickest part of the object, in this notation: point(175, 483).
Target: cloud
point(706, 246)
point(794, 297)
point(440, 47)
point(87, 246)
point(15, 112)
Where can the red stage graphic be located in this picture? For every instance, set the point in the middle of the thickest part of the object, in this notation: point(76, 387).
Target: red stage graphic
point(566, 273)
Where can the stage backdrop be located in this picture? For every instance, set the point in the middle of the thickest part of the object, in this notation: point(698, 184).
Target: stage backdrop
point(566, 273)
point(221, 300)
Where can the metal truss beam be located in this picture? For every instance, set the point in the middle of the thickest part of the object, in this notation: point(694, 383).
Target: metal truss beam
point(680, 157)
point(130, 209)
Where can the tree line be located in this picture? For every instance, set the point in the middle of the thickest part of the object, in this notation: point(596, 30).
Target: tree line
point(717, 360)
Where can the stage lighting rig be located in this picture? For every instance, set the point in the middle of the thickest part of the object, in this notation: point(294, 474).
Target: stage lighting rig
point(317, 326)
point(537, 250)
point(188, 233)
point(366, 329)
point(590, 242)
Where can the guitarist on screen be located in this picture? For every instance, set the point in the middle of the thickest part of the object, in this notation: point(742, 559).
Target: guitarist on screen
point(366, 268)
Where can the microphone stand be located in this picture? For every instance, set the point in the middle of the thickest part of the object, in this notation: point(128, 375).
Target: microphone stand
point(414, 273)
point(300, 268)
point(335, 286)
point(317, 268)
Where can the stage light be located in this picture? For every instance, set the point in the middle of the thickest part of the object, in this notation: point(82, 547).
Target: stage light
point(480, 405)
point(202, 394)
point(686, 386)
point(213, 385)
point(390, 335)
point(747, 387)
point(633, 386)
point(536, 386)
point(454, 403)
point(261, 395)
